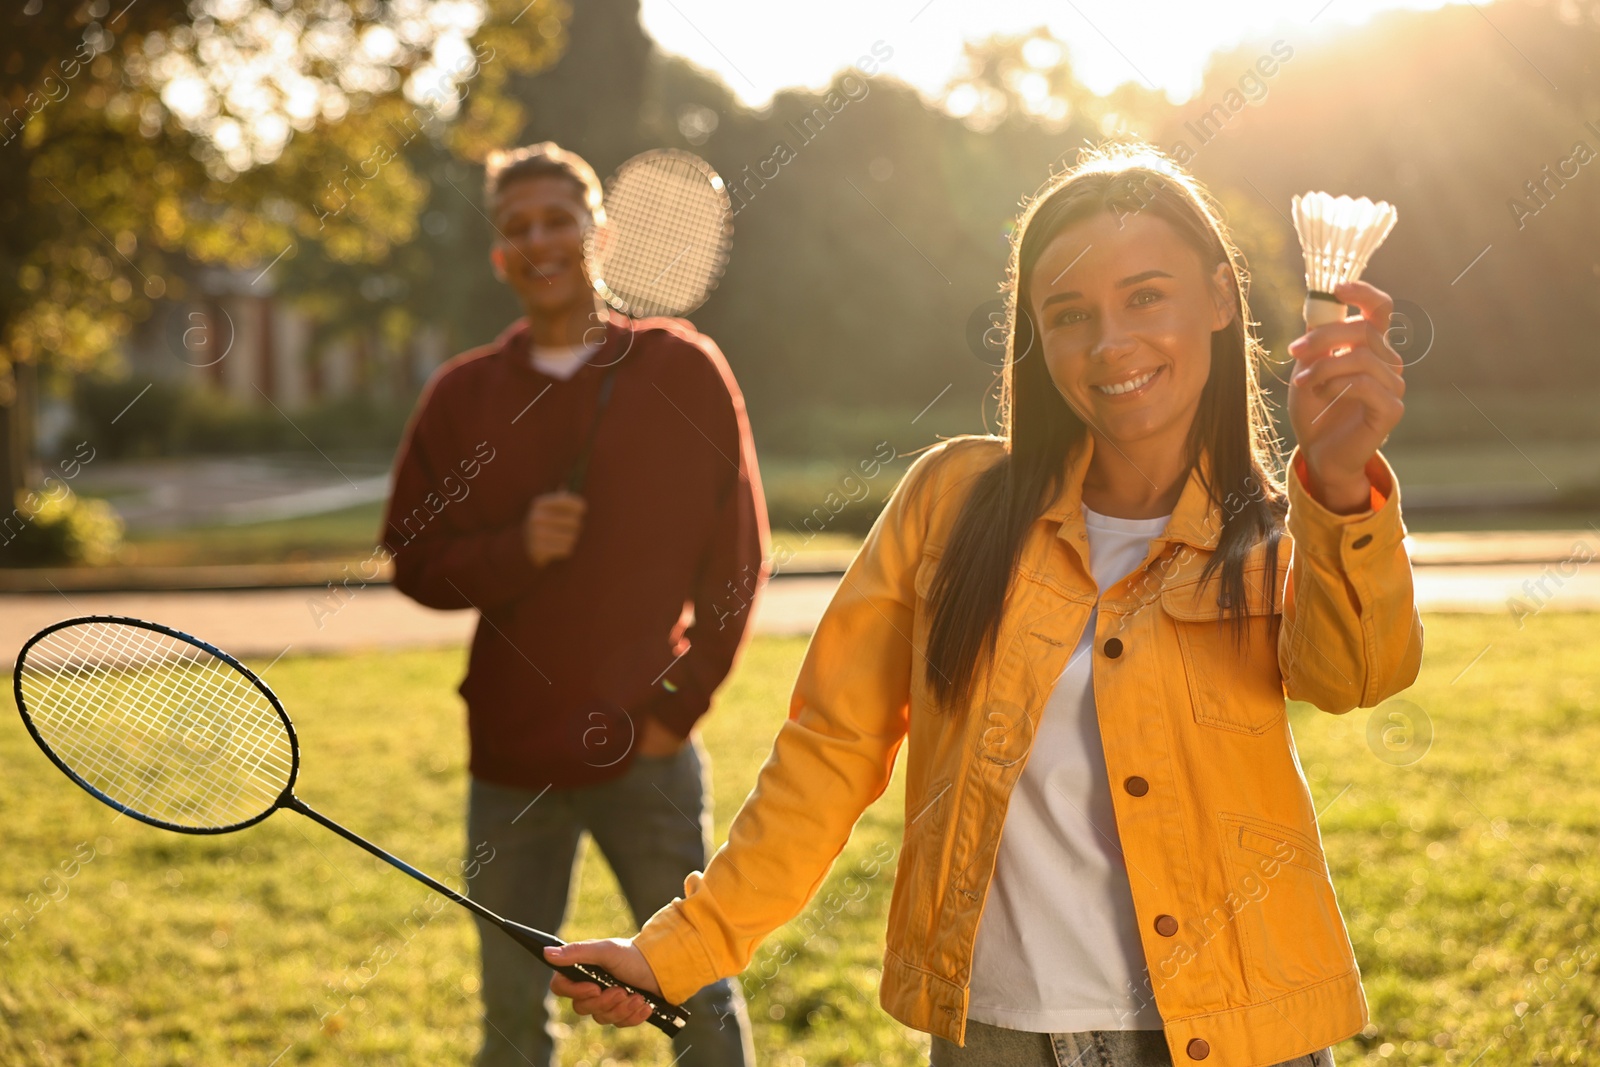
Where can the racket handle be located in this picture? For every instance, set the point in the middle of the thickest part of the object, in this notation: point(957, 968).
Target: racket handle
point(668, 1018)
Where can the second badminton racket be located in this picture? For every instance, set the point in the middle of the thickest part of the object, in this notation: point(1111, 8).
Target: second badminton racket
point(178, 734)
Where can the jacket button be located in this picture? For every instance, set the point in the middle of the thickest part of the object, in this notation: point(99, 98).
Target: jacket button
point(1197, 1049)
point(1136, 785)
point(1113, 647)
point(1166, 925)
point(1361, 542)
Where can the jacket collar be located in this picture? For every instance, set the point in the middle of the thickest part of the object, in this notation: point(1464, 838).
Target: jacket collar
point(1196, 519)
point(514, 343)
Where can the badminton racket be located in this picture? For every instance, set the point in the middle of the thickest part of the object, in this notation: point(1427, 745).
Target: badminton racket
point(665, 241)
point(178, 734)
point(661, 251)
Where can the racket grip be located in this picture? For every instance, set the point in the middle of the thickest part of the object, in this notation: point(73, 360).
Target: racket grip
point(668, 1018)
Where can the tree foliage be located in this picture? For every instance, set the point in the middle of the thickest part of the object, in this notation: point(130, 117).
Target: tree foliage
point(873, 222)
point(144, 142)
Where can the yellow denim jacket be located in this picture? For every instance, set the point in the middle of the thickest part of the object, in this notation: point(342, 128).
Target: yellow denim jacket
point(1248, 957)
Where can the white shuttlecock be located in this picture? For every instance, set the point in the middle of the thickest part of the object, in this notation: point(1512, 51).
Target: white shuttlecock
point(1338, 235)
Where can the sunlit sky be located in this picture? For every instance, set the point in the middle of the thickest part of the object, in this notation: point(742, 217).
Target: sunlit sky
point(761, 46)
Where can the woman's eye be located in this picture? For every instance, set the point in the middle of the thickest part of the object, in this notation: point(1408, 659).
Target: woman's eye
point(1070, 316)
point(1145, 296)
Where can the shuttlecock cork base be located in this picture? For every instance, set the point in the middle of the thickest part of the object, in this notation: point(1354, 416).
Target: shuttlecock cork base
point(1337, 236)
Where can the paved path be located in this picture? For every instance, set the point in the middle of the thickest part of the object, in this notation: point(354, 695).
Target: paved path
point(180, 492)
point(260, 625)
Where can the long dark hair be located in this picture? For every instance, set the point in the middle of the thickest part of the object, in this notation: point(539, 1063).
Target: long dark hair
point(1040, 429)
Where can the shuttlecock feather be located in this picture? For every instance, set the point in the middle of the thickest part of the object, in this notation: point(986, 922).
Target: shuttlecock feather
point(1338, 235)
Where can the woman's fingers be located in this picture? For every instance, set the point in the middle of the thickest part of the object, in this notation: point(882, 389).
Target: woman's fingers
point(1370, 331)
point(1328, 340)
point(1345, 393)
point(1364, 389)
point(619, 956)
point(615, 1006)
point(1316, 374)
point(1377, 306)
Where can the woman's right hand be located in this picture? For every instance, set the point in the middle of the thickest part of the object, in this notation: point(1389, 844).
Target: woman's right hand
point(615, 1006)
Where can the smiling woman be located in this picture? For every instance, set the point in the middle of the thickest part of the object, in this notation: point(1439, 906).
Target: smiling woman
point(1129, 305)
point(1111, 856)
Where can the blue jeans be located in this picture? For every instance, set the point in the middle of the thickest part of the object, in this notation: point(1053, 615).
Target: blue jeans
point(653, 825)
point(993, 1046)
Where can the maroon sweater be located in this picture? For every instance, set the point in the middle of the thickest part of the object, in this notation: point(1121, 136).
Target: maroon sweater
point(568, 658)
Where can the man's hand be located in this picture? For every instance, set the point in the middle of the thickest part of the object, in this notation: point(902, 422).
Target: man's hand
point(1345, 398)
point(552, 526)
point(656, 740)
point(615, 1006)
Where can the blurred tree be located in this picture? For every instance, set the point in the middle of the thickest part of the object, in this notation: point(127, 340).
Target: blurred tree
point(140, 143)
point(590, 101)
point(862, 250)
point(1023, 76)
point(871, 227)
point(1501, 107)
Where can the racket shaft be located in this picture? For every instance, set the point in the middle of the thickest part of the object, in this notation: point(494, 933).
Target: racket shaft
point(667, 1018)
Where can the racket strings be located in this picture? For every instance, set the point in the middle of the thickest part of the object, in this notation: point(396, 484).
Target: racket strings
point(191, 678)
point(176, 687)
point(203, 683)
point(691, 224)
point(669, 236)
point(81, 705)
point(158, 725)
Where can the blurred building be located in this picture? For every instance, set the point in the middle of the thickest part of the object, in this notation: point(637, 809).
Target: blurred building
point(235, 335)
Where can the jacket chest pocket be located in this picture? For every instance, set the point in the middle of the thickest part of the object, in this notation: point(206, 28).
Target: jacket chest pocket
point(1232, 674)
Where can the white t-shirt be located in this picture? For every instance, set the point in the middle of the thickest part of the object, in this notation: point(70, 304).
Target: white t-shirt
point(1058, 947)
point(561, 361)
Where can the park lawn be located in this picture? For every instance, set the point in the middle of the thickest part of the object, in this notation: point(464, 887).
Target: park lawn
point(822, 508)
point(1467, 877)
point(347, 535)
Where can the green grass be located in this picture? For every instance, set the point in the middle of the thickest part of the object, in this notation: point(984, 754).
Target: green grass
point(812, 510)
point(349, 535)
point(346, 535)
point(1468, 880)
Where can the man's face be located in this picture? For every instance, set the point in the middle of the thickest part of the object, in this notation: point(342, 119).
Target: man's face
point(540, 224)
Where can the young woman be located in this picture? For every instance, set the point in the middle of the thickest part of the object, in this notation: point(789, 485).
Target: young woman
point(1087, 627)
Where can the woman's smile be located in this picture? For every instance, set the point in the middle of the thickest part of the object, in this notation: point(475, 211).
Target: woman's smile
point(1131, 386)
point(1126, 311)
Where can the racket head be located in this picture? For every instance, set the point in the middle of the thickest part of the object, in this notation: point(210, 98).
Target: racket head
point(157, 723)
point(666, 238)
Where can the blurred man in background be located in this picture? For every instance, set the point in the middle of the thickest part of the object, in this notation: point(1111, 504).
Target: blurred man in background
point(587, 676)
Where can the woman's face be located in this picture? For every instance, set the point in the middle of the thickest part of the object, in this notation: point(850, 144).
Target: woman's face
point(1125, 310)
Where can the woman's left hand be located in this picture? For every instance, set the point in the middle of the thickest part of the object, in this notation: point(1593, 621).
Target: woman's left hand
point(1344, 397)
